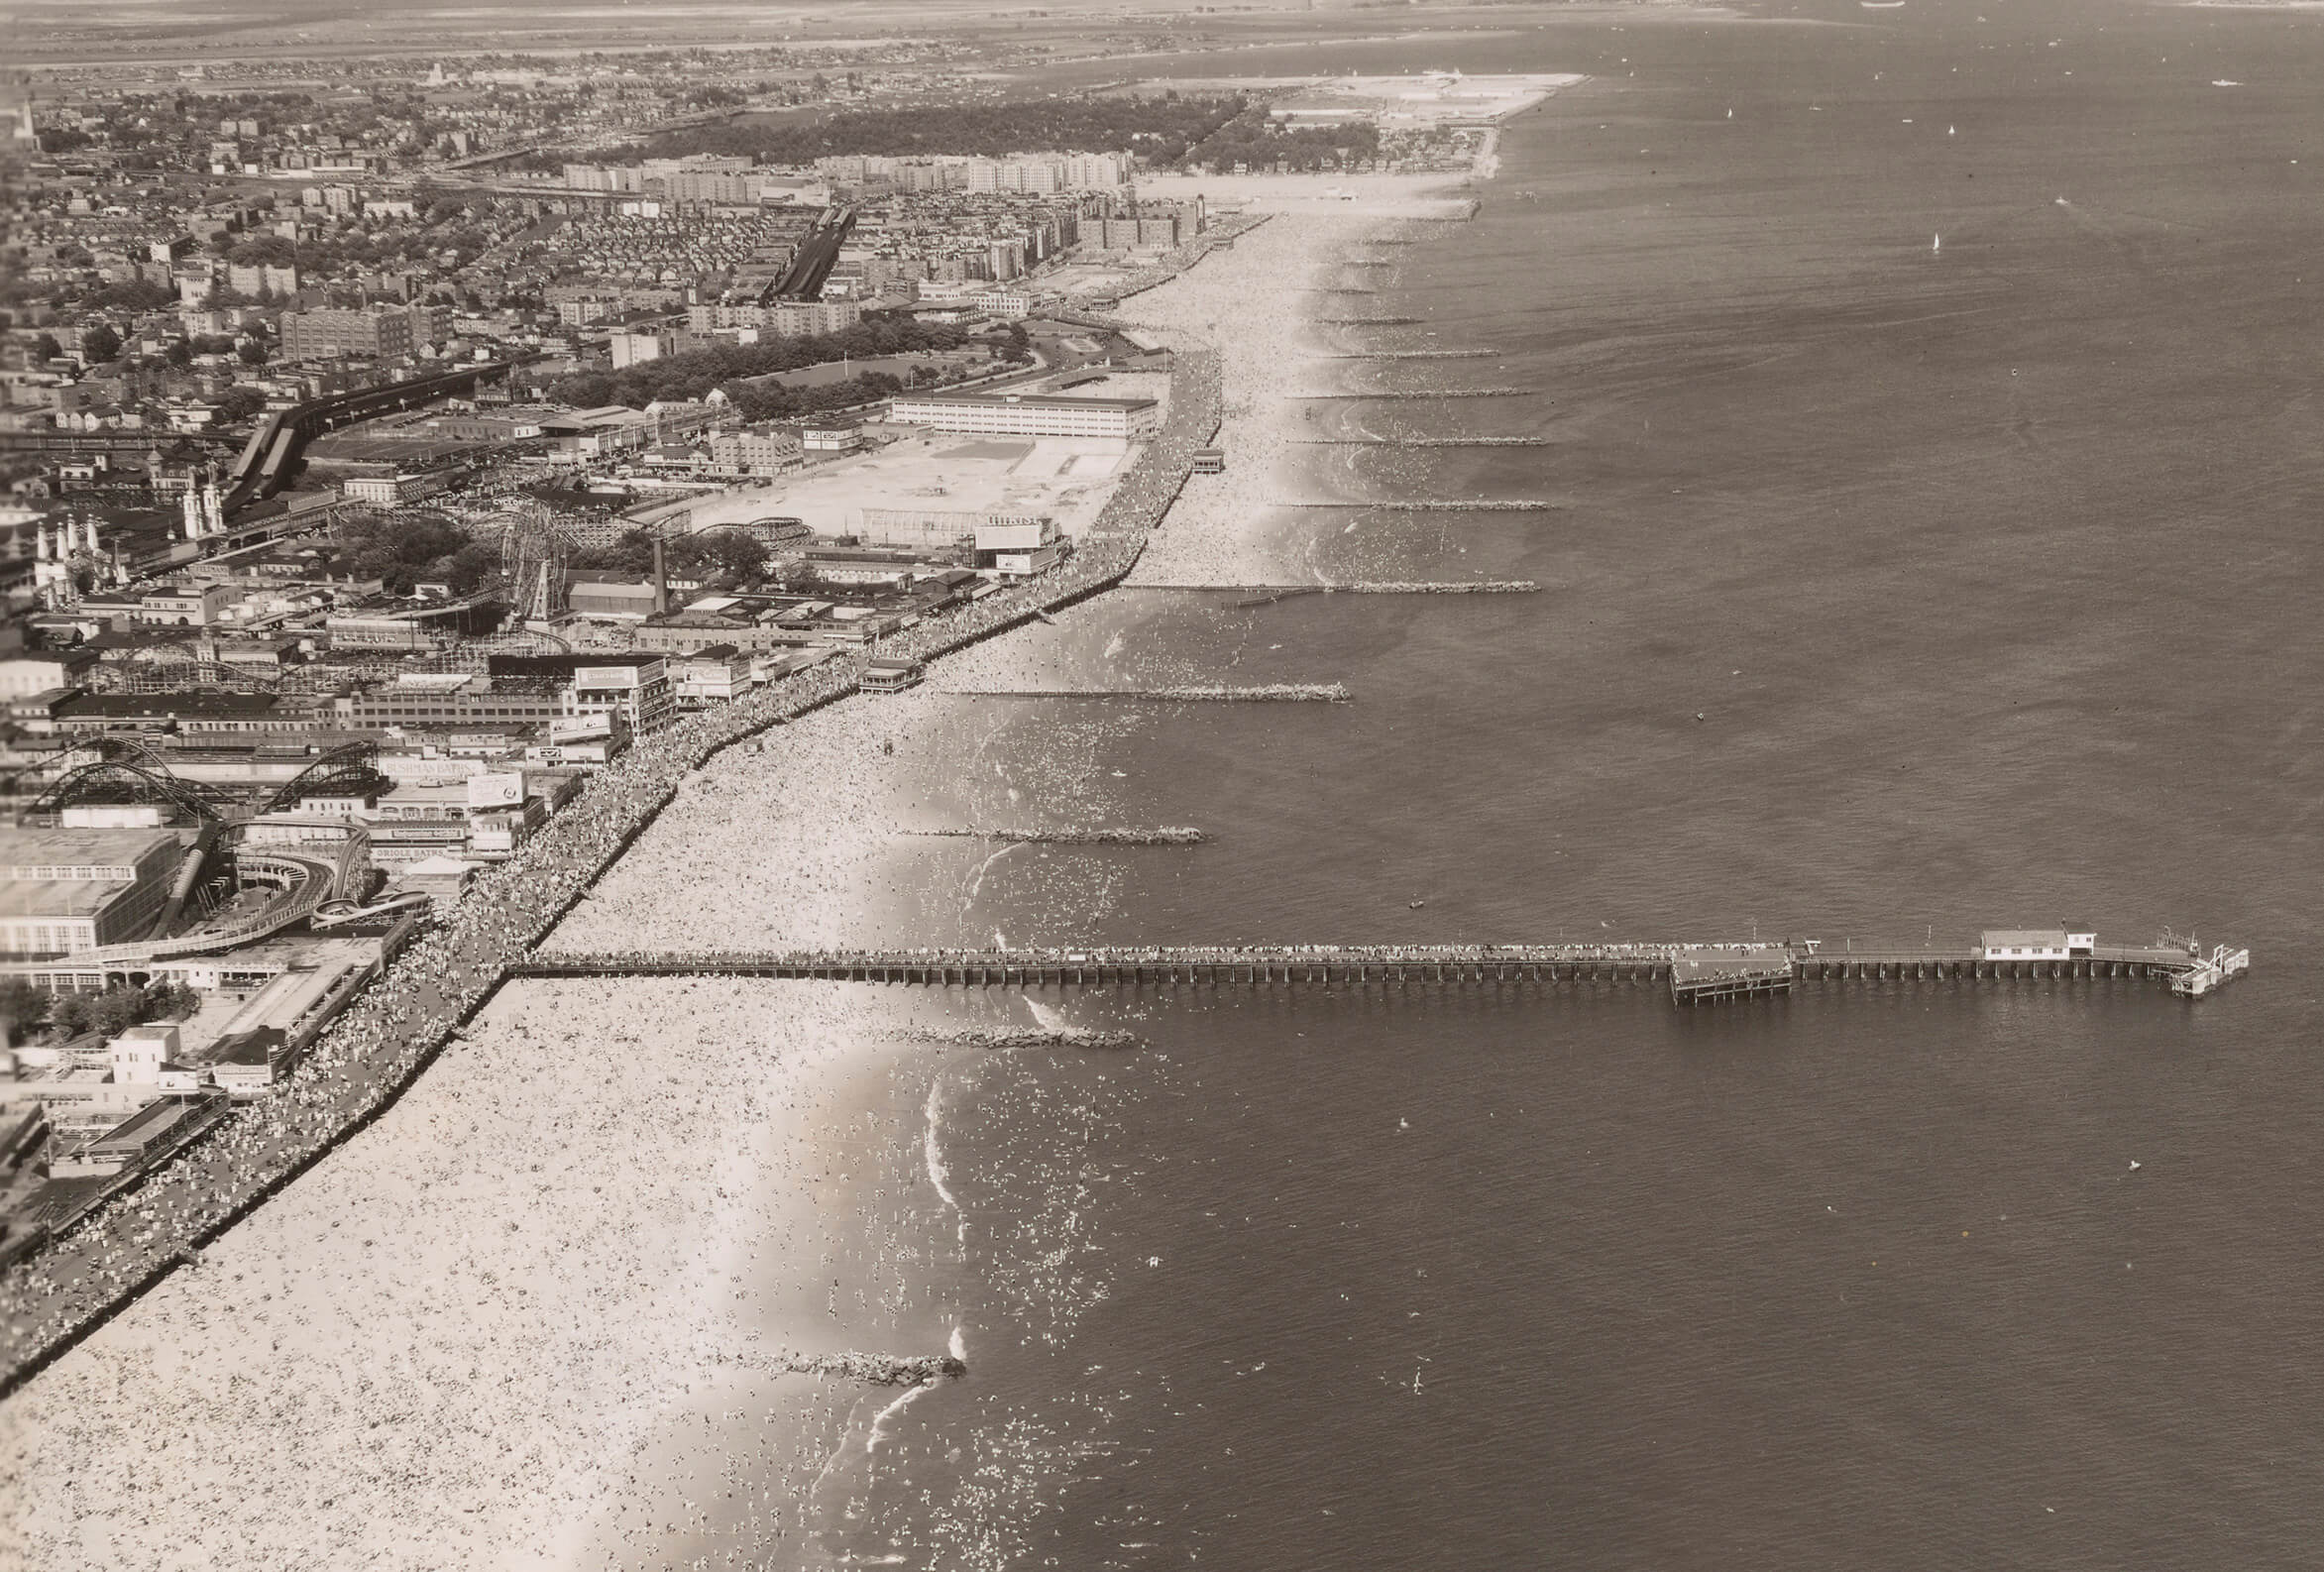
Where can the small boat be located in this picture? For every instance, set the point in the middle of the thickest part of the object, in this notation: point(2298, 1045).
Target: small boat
point(1882, 5)
point(1416, 905)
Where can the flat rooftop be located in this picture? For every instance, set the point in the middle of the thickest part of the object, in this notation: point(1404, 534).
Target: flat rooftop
point(51, 899)
point(1035, 400)
point(1730, 961)
point(24, 850)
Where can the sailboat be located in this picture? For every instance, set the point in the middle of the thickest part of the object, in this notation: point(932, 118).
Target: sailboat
point(1935, 243)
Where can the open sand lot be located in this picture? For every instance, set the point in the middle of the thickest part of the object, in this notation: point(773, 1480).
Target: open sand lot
point(1066, 477)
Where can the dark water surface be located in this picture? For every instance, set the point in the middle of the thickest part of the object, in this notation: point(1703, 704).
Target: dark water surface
point(1988, 570)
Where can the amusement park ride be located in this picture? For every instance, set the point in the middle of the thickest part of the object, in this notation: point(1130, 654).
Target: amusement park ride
point(535, 551)
point(322, 882)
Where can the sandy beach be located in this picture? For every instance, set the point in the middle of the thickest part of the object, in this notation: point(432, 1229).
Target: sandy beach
point(1265, 306)
point(821, 841)
point(612, 1209)
point(611, 1206)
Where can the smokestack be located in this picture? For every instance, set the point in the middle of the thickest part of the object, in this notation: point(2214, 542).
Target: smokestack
point(661, 579)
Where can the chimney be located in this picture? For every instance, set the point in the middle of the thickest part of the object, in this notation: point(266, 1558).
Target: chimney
point(661, 579)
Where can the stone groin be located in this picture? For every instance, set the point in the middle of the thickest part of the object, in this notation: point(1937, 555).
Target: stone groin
point(1161, 836)
point(1201, 693)
point(1370, 321)
point(1409, 354)
point(1420, 442)
point(1270, 593)
point(1416, 392)
point(1438, 505)
point(1061, 1036)
point(876, 1370)
point(1460, 586)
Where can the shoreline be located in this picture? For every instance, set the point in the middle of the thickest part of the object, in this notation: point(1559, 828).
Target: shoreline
point(387, 1037)
point(398, 1024)
point(371, 1060)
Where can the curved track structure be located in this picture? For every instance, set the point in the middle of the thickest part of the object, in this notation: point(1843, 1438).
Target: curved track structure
point(304, 876)
point(351, 771)
point(112, 782)
point(338, 913)
point(180, 665)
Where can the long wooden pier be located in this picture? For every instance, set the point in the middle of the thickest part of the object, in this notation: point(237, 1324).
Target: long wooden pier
point(1704, 974)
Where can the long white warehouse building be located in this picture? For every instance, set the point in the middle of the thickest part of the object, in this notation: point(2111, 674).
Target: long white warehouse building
point(1028, 414)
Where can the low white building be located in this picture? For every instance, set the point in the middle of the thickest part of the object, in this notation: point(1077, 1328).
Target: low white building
point(2036, 943)
point(1028, 414)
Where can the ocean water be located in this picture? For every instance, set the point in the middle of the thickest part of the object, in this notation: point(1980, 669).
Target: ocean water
point(1895, 589)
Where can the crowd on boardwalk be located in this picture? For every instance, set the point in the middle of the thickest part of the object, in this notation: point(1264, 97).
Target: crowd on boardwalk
point(393, 1029)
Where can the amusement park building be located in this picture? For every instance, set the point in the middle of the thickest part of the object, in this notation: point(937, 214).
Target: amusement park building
point(73, 889)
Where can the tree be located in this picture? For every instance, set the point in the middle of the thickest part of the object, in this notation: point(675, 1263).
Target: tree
point(128, 294)
point(21, 1008)
point(1159, 128)
point(45, 347)
point(740, 554)
point(100, 343)
point(734, 552)
point(179, 354)
point(237, 404)
point(250, 352)
point(118, 1009)
point(401, 549)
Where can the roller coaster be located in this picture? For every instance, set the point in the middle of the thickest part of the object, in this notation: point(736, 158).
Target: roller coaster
point(331, 872)
point(350, 770)
point(272, 450)
point(174, 667)
point(125, 780)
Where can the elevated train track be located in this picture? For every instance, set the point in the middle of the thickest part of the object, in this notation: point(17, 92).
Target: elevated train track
point(267, 458)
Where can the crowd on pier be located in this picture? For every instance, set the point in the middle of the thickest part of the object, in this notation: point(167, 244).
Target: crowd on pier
point(391, 1030)
point(714, 961)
